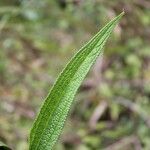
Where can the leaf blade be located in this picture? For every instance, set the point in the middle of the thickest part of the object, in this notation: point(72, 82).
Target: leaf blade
point(3, 146)
point(57, 104)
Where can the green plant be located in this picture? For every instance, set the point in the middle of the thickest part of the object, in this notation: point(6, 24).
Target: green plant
point(49, 123)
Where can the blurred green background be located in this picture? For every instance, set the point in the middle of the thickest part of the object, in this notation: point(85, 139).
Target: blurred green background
point(112, 108)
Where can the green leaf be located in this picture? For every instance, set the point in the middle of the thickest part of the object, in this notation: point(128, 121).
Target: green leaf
point(50, 121)
point(3, 146)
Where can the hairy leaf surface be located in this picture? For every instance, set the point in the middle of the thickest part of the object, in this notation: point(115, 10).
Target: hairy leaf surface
point(49, 123)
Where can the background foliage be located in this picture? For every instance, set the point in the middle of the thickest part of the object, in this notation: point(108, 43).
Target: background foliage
point(37, 38)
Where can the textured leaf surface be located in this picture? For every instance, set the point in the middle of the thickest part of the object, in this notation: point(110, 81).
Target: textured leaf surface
point(49, 123)
point(3, 146)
